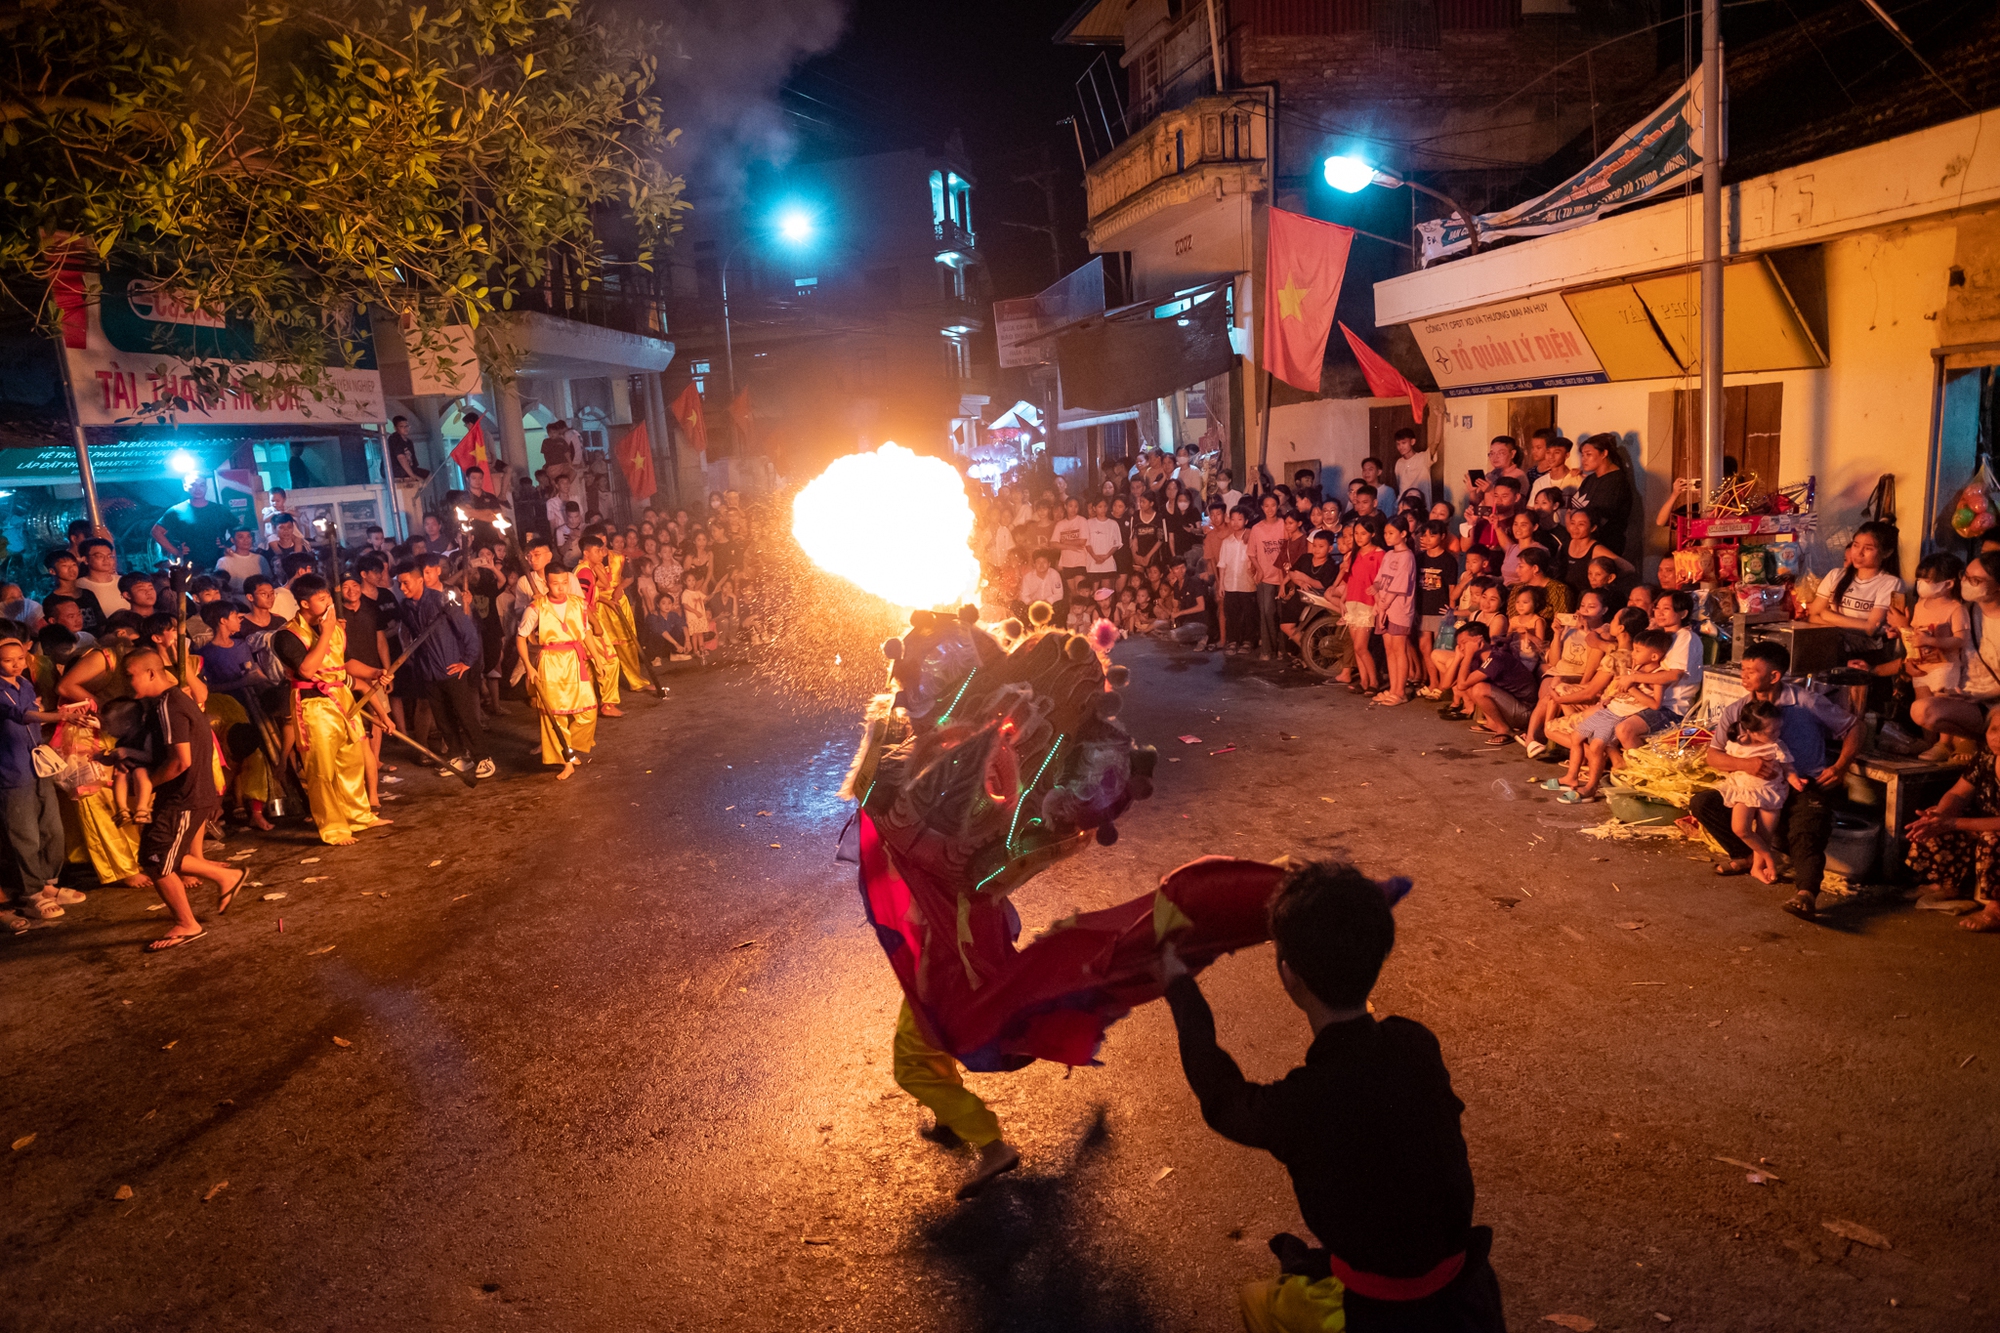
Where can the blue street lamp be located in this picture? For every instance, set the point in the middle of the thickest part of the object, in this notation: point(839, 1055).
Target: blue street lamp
point(795, 226)
point(1351, 175)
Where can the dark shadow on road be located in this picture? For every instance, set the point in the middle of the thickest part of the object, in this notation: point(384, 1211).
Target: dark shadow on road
point(1027, 1259)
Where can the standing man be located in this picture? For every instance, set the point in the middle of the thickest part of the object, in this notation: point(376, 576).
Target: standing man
point(448, 664)
point(1556, 473)
point(602, 578)
point(559, 447)
point(1808, 721)
point(313, 649)
point(184, 798)
point(197, 528)
point(1267, 553)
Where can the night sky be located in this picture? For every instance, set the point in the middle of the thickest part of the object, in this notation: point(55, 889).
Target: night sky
point(906, 75)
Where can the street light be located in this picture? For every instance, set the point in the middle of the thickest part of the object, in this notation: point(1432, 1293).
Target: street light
point(1351, 175)
point(795, 226)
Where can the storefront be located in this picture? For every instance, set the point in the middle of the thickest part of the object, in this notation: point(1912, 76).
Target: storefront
point(1858, 342)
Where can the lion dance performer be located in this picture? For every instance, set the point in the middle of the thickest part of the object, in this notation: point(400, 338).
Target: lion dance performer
point(601, 576)
point(313, 648)
point(985, 764)
point(559, 677)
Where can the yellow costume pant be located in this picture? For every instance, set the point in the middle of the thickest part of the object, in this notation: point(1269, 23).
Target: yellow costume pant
point(1294, 1305)
point(91, 825)
point(932, 1077)
point(336, 781)
point(577, 731)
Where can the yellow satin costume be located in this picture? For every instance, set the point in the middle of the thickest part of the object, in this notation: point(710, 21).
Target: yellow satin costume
point(564, 691)
point(90, 823)
point(617, 634)
point(333, 744)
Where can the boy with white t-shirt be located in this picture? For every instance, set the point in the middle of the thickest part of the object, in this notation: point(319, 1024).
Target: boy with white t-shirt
point(1236, 581)
point(1413, 466)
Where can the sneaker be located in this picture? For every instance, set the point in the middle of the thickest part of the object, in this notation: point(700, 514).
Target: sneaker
point(484, 769)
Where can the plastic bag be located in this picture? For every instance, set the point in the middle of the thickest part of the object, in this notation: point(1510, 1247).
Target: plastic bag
point(1973, 509)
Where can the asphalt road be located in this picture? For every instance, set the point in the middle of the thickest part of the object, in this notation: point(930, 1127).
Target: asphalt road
point(614, 1054)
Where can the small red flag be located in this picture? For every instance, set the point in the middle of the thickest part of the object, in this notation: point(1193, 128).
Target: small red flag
point(470, 451)
point(1384, 380)
point(745, 419)
point(635, 456)
point(693, 421)
point(1306, 261)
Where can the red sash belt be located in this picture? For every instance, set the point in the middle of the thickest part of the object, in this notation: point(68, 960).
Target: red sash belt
point(1378, 1288)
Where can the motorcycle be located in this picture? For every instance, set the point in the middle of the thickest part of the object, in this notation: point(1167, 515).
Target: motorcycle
point(1322, 634)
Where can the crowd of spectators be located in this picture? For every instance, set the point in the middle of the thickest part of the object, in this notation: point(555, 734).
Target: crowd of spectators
point(100, 667)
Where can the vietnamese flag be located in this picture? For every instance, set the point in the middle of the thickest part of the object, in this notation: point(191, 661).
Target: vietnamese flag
point(688, 412)
point(471, 451)
point(635, 457)
point(1384, 380)
point(1305, 262)
point(745, 420)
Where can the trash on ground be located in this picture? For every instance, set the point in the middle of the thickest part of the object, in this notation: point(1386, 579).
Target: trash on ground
point(1575, 1321)
point(1631, 925)
point(309, 860)
point(1757, 1167)
point(23, 1142)
point(214, 1190)
point(124, 1193)
point(1165, 1171)
point(744, 945)
point(816, 1240)
point(1229, 749)
point(311, 952)
point(272, 898)
point(170, 1045)
point(1856, 1232)
point(342, 1042)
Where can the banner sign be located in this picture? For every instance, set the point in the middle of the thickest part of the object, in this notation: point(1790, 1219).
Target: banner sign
point(121, 336)
point(1021, 327)
point(1533, 343)
point(1659, 153)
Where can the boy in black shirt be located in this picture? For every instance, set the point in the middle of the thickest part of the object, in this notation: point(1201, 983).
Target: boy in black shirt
point(1367, 1127)
point(184, 797)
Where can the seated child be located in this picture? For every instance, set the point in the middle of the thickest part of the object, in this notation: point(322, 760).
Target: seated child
point(1368, 1127)
point(1626, 696)
point(1935, 632)
point(1754, 802)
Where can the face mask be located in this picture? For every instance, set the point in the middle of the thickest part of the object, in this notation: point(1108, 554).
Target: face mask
point(1930, 588)
point(1974, 591)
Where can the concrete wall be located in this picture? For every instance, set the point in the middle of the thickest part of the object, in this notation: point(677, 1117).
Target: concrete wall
point(1867, 413)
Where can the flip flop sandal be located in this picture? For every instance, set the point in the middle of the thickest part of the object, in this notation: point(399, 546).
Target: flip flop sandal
point(166, 942)
point(1803, 911)
point(1498, 741)
point(1569, 797)
point(228, 897)
point(1551, 784)
point(1723, 870)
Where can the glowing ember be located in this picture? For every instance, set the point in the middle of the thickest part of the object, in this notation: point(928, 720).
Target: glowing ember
point(893, 523)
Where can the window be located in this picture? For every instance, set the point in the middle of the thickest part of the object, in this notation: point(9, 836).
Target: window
point(937, 199)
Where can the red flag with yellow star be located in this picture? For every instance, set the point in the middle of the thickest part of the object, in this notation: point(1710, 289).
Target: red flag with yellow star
point(1306, 260)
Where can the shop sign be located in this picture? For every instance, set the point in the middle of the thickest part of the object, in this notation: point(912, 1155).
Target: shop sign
point(1512, 347)
point(129, 350)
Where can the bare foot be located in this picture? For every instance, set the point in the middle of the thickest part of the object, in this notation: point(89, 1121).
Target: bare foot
point(610, 710)
point(1983, 923)
point(261, 824)
point(137, 881)
point(341, 840)
point(1763, 869)
point(568, 769)
point(995, 1160)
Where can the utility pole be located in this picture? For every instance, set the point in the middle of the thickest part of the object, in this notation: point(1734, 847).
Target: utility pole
point(1043, 179)
point(1711, 246)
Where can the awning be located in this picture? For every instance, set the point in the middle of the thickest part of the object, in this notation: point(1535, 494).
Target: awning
point(1137, 353)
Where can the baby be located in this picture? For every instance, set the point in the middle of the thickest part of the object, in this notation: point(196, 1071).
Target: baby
point(1754, 802)
point(1935, 633)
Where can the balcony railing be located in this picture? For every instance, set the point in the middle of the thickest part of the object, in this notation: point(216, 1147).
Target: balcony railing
point(1225, 128)
point(951, 236)
point(628, 312)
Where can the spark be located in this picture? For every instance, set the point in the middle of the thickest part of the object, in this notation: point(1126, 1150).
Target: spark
point(894, 524)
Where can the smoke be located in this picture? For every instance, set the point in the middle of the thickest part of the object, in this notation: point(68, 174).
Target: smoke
point(720, 70)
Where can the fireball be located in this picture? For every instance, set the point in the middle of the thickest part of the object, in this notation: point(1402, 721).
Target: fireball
point(893, 523)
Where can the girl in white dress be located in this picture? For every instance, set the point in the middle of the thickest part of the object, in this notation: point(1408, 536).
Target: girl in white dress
point(1754, 802)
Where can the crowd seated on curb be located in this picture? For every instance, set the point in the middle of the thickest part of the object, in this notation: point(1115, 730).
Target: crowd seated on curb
point(1524, 615)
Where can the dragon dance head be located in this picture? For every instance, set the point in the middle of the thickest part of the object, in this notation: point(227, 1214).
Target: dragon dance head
point(995, 753)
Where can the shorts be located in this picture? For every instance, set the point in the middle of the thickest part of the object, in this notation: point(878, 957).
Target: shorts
point(165, 841)
point(1392, 627)
point(1430, 624)
point(1511, 710)
point(1357, 615)
point(1602, 724)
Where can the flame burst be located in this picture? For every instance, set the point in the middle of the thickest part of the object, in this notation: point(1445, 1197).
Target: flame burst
point(894, 524)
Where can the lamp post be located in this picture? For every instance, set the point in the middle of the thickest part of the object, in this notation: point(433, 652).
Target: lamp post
point(1351, 175)
point(795, 227)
